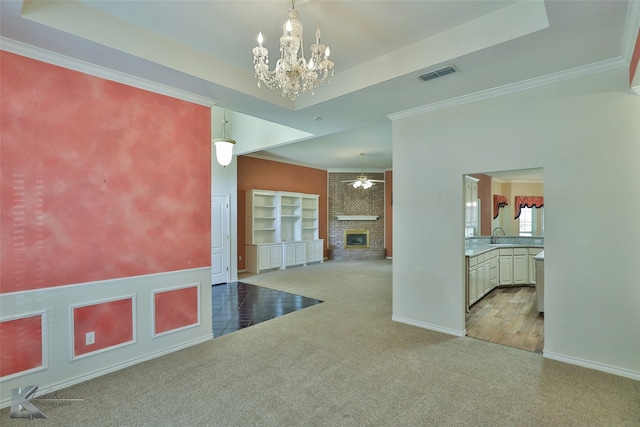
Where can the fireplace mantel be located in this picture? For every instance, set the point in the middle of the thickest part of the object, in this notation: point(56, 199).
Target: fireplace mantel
point(357, 217)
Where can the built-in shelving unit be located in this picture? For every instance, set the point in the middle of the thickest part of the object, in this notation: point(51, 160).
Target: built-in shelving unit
point(281, 230)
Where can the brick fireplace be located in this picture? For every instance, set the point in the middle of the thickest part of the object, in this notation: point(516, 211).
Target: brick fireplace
point(357, 212)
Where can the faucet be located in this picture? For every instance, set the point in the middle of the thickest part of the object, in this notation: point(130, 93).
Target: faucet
point(494, 236)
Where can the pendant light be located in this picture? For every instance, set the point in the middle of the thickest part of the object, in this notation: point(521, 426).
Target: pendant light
point(224, 145)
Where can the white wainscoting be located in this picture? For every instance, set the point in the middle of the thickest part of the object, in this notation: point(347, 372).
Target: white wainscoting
point(61, 370)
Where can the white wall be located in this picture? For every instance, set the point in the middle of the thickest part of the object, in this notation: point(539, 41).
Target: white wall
point(224, 182)
point(585, 132)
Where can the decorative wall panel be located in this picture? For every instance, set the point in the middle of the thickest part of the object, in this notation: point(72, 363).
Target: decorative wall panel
point(176, 309)
point(22, 343)
point(110, 322)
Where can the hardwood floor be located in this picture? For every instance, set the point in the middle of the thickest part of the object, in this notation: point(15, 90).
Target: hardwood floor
point(508, 316)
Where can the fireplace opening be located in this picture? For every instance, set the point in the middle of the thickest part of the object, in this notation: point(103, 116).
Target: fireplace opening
point(356, 239)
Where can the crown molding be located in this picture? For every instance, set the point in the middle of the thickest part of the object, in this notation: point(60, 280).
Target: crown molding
point(64, 61)
point(574, 73)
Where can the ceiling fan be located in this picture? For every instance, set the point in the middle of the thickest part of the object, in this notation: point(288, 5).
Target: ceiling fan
point(362, 181)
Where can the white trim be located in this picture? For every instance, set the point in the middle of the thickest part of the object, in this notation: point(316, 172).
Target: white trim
point(99, 282)
point(634, 375)
point(99, 372)
point(153, 309)
point(631, 28)
point(43, 341)
point(49, 57)
point(357, 217)
point(429, 326)
point(72, 355)
point(598, 67)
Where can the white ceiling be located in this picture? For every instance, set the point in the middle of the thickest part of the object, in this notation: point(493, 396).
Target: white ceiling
point(379, 49)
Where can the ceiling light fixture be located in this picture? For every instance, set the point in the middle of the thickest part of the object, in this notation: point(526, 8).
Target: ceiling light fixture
point(362, 181)
point(224, 145)
point(293, 74)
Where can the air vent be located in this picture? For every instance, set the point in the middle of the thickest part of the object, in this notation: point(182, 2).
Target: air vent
point(438, 73)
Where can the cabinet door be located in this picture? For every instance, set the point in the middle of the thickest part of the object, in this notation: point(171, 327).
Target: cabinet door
point(310, 251)
point(505, 265)
point(473, 284)
point(264, 257)
point(319, 244)
point(300, 253)
point(479, 284)
point(520, 269)
point(276, 256)
point(289, 254)
point(487, 276)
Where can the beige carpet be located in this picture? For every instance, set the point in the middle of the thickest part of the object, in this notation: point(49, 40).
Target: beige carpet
point(345, 363)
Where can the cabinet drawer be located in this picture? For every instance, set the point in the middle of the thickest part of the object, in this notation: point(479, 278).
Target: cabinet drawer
point(521, 251)
point(506, 251)
point(473, 261)
point(493, 262)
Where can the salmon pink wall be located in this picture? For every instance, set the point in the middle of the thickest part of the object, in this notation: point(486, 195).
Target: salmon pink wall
point(175, 309)
point(268, 175)
point(99, 180)
point(111, 322)
point(21, 341)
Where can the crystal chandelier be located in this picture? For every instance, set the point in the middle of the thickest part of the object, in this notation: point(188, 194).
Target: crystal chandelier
point(293, 74)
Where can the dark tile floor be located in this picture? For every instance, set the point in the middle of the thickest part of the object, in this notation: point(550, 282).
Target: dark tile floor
point(238, 305)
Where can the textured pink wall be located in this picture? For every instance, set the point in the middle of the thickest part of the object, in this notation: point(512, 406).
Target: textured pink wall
point(21, 343)
point(176, 309)
point(99, 180)
point(112, 323)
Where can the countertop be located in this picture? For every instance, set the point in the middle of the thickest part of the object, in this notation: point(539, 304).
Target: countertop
point(480, 249)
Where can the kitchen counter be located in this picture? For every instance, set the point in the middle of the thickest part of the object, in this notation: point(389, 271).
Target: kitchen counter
point(480, 249)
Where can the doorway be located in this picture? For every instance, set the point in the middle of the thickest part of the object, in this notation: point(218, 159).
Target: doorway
point(500, 258)
point(220, 242)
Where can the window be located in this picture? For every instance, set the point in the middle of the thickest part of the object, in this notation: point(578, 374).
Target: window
point(526, 222)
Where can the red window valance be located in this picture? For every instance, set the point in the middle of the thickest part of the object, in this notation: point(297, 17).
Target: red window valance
point(498, 202)
point(528, 202)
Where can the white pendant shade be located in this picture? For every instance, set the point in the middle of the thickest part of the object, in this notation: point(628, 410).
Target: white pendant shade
point(224, 150)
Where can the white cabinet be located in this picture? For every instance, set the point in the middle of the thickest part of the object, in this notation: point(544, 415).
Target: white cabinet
point(471, 207)
point(309, 220)
point(263, 257)
point(290, 214)
point(520, 266)
point(486, 275)
point(505, 266)
point(261, 218)
point(493, 269)
point(532, 264)
point(472, 280)
point(314, 251)
point(281, 229)
point(294, 254)
point(499, 267)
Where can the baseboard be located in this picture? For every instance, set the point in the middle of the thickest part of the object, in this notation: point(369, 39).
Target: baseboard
point(634, 375)
point(98, 373)
point(429, 326)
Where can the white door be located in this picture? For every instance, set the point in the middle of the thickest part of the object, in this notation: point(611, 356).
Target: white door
point(220, 249)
